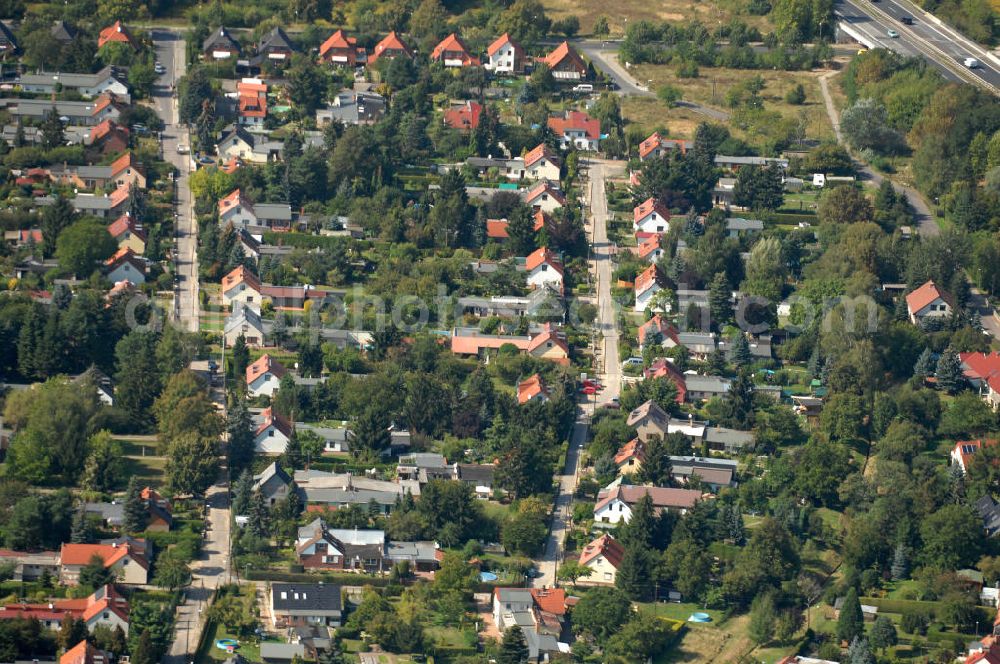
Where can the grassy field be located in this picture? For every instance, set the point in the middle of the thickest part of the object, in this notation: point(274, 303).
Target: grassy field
point(681, 11)
point(653, 115)
point(712, 84)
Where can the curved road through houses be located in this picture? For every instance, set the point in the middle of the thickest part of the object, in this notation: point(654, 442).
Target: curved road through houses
point(608, 363)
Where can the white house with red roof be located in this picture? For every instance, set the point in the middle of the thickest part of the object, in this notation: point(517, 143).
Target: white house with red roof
point(272, 433)
point(251, 102)
point(124, 265)
point(241, 285)
point(615, 505)
point(602, 557)
point(238, 210)
point(964, 450)
point(504, 56)
point(128, 558)
point(452, 52)
point(544, 197)
point(544, 268)
point(391, 46)
point(929, 301)
point(982, 370)
point(650, 217)
point(550, 344)
point(264, 376)
point(657, 330)
point(649, 282)
point(464, 117)
point(532, 389)
point(128, 233)
point(116, 32)
point(576, 129)
point(657, 146)
point(540, 163)
point(650, 250)
point(105, 606)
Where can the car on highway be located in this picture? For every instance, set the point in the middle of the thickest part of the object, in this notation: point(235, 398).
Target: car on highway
point(159, 68)
point(183, 149)
point(906, 20)
point(971, 63)
point(892, 34)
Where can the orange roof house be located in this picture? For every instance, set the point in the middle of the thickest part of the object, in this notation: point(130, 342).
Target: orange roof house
point(85, 653)
point(540, 151)
point(577, 129)
point(532, 389)
point(565, 63)
point(391, 46)
point(496, 229)
point(650, 249)
point(116, 32)
point(464, 117)
point(505, 55)
point(630, 456)
point(929, 301)
point(663, 368)
point(241, 285)
point(127, 557)
point(964, 450)
point(340, 49)
point(544, 197)
point(550, 344)
point(106, 606)
point(650, 216)
point(109, 137)
point(451, 52)
point(603, 556)
point(128, 233)
point(656, 146)
point(657, 330)
point(544, 268)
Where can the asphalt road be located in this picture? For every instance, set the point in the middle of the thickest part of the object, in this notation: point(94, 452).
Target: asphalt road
point(928, 37)
point(170, 52)
point(604, 55)
point(608, 370)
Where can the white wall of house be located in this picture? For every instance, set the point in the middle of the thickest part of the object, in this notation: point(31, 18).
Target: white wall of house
point(127, 272)
point(602, 573)
point(936, 309)
point(265, 384)
point(652, 223)
point(545, 274)
point(615, 511)
point(270, 441)
point(503, 61)
point(543, 169)
point(241, 292)
point(240, 216)
point(545, 202)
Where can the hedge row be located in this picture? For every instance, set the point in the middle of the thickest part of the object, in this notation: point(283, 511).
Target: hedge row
point(303, 240)
point(346, 579)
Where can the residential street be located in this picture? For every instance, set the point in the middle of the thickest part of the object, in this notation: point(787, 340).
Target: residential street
point(170, 52)
point(211, 570)
point(609, 369)
point(213, 567)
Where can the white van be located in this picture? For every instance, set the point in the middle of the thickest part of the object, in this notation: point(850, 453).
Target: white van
point(583, 87)
point(971, 63)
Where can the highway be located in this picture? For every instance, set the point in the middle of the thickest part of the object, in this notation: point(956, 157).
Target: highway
point(928, 37)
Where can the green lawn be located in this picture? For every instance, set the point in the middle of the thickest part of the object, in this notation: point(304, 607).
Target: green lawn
point(681, 611)
point(209, 653)
point(149, 470)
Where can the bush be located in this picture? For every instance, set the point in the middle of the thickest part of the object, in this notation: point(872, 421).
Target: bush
point(687, 69)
